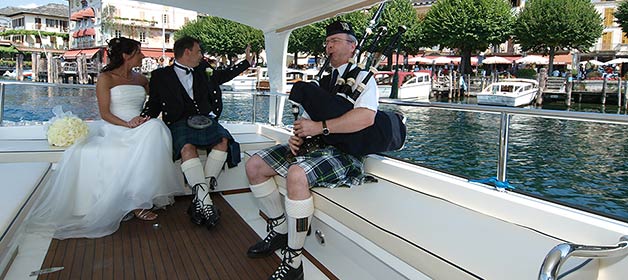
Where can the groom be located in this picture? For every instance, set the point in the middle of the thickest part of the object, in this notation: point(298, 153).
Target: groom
point(190, 101)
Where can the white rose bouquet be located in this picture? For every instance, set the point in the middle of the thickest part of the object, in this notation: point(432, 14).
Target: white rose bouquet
point(65, 128)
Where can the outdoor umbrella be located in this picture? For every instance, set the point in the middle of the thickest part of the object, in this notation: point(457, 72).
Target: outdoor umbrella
point(533, 59)
point(617, 61)
point(593, 62)
point(496, 60)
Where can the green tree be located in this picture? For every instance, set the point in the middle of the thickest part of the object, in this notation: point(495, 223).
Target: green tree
point(397, 13)
point(468, 26)
point(220, 36)
point(622, 16)
point(309, 39)
point(546, 26)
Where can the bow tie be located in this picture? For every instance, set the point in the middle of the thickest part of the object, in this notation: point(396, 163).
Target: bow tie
point(187, 70)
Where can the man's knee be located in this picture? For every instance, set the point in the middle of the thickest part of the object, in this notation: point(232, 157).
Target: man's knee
point(222, 146)
point(296, 183)
point(254, 165)
point(188, 151)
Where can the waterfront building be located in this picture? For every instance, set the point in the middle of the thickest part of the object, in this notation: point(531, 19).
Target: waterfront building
point(36, 29)
point(95, 22)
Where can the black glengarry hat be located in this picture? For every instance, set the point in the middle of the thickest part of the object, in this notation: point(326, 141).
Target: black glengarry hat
point(339, 27)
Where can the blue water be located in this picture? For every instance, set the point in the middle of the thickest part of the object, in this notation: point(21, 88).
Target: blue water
point(577, 163)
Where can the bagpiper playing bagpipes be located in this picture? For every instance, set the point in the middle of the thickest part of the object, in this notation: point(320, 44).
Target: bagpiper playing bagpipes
point(333, 97)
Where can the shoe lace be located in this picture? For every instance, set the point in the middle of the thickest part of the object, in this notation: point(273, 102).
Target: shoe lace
point(288, 256)
point(270, 226)
point(273, 222)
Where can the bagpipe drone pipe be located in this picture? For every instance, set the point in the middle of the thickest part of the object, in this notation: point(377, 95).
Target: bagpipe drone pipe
point(323, 103)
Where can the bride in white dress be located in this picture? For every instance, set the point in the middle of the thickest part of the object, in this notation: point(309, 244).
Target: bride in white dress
point(124, 166)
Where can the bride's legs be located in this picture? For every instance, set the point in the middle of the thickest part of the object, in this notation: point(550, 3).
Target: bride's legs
point(145, 214)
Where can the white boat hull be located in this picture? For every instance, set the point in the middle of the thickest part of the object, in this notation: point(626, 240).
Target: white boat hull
point(505, 100)
point(406, 92)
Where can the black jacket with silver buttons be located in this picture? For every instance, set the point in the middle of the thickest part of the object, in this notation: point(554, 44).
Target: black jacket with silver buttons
point(168, 96)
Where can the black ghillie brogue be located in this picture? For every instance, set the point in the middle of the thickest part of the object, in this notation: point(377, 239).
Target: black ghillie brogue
point(272, 242)
point(201, 213)
point(285, 271)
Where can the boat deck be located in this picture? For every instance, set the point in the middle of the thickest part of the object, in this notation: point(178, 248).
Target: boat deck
point(169, 248)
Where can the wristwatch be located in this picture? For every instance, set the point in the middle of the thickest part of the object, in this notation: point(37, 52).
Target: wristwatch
point(325, 129)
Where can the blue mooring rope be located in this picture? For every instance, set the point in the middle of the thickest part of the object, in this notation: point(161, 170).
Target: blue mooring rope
point(493, 181)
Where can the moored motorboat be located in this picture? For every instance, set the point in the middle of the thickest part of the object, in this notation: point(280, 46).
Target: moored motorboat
point(411, 85)
point(509, 92)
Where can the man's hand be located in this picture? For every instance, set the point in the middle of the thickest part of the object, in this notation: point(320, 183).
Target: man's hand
point(247, 52)
point(305, 127)
point(295, 143)
point(137, 121)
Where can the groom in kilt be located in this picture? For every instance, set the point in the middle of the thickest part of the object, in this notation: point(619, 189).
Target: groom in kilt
point(188, 96)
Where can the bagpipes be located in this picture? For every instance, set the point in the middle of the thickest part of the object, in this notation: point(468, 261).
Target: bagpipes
point(323, 103)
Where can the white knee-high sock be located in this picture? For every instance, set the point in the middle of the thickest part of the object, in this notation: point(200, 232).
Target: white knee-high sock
point(300, 214)
point(270, 202)
point(215, 161)
point(193, 170)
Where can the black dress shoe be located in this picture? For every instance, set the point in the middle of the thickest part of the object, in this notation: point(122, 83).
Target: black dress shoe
point(203, 214)
point(285, 271)
point(272, 242)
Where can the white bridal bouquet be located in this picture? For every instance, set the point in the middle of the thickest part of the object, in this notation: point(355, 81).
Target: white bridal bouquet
point(65, 128)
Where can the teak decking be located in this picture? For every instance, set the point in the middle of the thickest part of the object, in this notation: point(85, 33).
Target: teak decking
point(175, 249)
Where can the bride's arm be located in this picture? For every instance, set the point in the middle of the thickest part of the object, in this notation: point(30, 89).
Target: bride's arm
point(103, 95)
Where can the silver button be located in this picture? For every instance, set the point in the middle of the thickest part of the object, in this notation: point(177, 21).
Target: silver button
point(165, 113)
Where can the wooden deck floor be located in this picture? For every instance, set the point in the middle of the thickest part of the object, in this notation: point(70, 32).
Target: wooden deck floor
point(176, 249)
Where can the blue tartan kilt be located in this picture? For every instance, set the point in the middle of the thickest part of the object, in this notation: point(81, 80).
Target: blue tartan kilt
point(201, 138)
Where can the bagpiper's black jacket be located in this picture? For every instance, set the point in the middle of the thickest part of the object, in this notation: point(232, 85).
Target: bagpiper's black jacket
point(168, 96)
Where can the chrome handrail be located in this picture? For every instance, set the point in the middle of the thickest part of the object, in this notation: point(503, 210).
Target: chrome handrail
point(556, 257)
point(505, 112)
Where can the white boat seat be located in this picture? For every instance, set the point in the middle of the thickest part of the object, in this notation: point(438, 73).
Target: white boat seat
point(20, 181)
point(29, 147)
point(415, 227)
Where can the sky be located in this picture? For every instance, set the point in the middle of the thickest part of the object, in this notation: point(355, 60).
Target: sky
point(29, 3)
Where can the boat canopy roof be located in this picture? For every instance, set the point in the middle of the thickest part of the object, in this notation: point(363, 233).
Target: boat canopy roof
point(271, 15)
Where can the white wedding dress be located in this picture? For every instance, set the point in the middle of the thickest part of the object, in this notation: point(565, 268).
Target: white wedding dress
point(110, 173)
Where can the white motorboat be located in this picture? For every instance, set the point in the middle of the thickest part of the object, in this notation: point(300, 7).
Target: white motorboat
point(509, 92)
point(414, 223)
point(411, 85)
point(248, 81)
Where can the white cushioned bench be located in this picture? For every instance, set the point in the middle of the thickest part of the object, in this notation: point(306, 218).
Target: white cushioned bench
point(28, 144)
point(20, 182)
point(418, 229)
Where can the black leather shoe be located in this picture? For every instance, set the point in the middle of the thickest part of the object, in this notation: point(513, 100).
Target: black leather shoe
point(211, 216)
point(285, 271)
point(272, 242)
point(203, 214)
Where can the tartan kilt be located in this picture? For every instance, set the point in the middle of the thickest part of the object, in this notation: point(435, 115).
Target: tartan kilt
point(201, 138)
point(326, 167)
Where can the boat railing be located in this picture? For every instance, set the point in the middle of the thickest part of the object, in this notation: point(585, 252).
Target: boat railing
point(505, 114)
point(558, 255)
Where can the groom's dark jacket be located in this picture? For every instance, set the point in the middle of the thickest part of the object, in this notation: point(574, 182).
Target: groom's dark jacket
point(168, 96)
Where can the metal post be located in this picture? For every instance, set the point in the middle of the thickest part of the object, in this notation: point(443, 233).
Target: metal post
point(604, 90)
point(1, 102)
point(619, 92)
point(254, 107)
point(504, 125)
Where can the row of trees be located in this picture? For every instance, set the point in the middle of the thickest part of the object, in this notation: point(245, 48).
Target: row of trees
point(466, 26)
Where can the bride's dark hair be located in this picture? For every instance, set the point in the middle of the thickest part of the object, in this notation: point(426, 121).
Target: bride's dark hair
point(117, 47)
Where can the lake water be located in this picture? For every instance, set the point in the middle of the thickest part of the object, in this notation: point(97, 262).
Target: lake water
point(577, 163)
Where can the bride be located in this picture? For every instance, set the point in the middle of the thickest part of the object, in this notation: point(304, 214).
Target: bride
point(123, 168)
